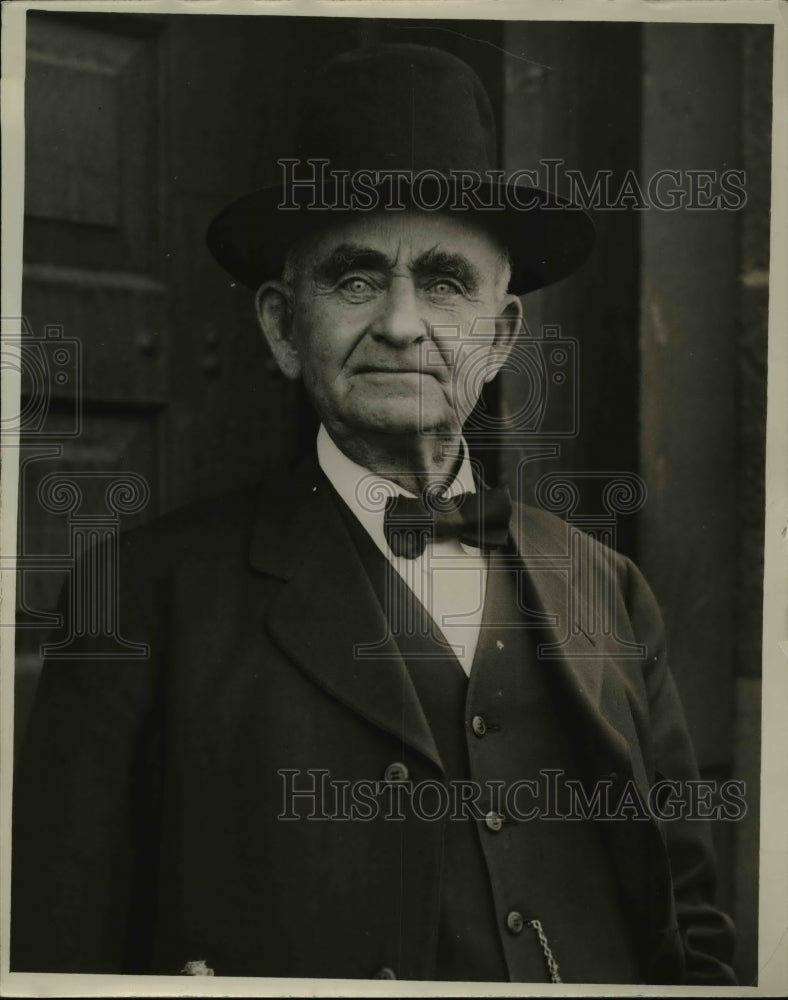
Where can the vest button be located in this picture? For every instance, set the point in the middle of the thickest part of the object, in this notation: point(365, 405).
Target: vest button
point(515, 922)
point(478, 725)
point(396, 772)
point(385, 973)
point(493, 821)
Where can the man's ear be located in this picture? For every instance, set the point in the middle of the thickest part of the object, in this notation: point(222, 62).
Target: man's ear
point(508, 324)
point(273, 304)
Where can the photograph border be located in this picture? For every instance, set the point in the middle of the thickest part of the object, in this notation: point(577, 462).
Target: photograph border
point(773, 905)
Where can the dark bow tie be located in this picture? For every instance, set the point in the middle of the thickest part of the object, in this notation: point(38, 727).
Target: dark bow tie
point(478, 519)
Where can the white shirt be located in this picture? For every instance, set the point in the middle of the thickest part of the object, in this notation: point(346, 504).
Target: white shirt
point(449, 578)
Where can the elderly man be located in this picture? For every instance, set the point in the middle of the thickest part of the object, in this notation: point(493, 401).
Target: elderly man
point(369, 739)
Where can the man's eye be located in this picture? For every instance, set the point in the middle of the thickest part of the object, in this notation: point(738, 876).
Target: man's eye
point(444, 286)
point(356, 285)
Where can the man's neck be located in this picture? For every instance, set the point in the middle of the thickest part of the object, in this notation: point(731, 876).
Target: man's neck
point(426, 462)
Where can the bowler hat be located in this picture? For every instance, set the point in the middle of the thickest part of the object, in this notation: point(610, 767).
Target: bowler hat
point(392, 126)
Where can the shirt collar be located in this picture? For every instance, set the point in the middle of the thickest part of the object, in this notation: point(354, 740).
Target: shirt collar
point(366, 492)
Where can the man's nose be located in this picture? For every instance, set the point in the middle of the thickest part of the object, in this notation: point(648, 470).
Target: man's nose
point(400, 321)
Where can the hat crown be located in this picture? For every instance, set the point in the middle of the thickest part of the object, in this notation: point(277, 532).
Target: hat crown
point(399, 107)
point(409, 108)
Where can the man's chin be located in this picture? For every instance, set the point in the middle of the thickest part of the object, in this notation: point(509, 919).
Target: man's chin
point(404, 418)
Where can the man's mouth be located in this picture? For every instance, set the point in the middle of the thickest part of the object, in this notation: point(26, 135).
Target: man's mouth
point(383, 370)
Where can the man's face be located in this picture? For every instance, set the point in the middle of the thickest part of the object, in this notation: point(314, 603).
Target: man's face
point(382, 309)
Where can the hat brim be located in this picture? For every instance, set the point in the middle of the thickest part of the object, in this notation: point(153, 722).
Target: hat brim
point(547, 239)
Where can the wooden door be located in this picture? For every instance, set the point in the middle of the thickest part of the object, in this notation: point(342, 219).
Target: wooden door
point(141, 362)
point(95, 345)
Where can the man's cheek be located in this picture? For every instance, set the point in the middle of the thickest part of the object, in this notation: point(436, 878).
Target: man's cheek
point(473, 365)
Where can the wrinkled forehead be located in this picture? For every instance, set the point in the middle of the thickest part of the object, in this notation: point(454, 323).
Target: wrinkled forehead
point(402, 238)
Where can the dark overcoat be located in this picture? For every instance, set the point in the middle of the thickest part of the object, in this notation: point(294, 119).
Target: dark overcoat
point(147, 829)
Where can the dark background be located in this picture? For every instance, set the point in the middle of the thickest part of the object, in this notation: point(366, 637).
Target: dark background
point(140, 128)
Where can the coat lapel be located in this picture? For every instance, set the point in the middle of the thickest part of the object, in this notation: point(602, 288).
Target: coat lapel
point(585, 668)
point(327, 618)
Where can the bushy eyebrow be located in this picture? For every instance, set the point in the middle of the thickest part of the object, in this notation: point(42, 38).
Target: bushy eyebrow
point(432, 263)
point(348, 257)
point(445, 263)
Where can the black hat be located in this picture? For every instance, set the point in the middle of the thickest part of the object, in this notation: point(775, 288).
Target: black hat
point(409, 112)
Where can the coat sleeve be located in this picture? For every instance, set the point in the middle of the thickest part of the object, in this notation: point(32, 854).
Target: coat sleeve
point(707, 934)
point(83, 859)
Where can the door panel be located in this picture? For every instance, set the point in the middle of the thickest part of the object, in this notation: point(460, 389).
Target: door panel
point(95, 351)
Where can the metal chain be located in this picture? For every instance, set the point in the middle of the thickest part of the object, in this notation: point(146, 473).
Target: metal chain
point(552, 965)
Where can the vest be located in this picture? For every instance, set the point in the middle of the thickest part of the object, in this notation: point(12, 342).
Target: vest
point(513, 858)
